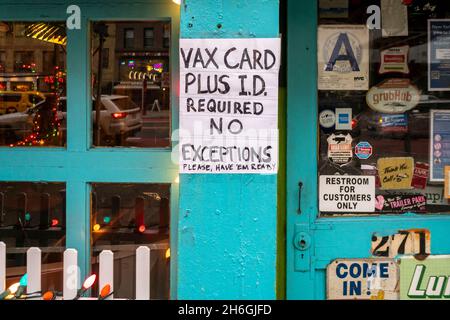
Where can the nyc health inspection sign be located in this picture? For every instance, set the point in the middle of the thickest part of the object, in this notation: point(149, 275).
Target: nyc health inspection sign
point(229, 105)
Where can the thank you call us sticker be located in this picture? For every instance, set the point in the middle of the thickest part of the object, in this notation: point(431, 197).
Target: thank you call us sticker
point(346, 193)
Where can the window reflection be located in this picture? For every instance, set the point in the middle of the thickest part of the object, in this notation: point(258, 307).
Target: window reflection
point(33, 215)
point(32, 81)
point(124, 217)
point(134, 109)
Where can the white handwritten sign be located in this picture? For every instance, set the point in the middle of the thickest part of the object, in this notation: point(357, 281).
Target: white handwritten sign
point(229, 105)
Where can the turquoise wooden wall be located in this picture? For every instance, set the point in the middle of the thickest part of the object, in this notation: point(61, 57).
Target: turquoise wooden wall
point(227, 228)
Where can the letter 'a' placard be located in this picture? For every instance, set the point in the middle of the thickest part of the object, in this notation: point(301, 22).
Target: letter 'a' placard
point(346, 194)
point(229, 105)
point(343, 57)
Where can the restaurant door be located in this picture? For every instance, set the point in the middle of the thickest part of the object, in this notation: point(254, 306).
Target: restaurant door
point(367, 198)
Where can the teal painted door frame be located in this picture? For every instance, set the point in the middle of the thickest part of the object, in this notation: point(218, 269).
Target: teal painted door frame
point(331, 238)
point(227, 245)
point(78, 165)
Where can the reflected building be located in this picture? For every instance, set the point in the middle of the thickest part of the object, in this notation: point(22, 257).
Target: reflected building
point(26, 63)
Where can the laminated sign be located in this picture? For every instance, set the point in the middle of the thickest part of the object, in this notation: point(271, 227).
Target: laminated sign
point(343, 57)
point(347, 193)
point(229, 105)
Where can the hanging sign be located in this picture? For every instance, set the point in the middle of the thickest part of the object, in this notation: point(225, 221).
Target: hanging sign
point(347, 193)
point(395, 173)
point(394, 17)
point(425, 278)
point(362, 279)
point(393, 96)
point(343, 57)
point(229, 105)
point(340, 148)
point(439, 55)
point(439, 144)
point(394, 60)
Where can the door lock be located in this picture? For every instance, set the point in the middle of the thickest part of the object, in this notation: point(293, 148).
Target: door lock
point(302, 241)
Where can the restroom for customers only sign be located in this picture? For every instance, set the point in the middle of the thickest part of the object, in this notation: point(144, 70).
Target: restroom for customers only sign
point(347, 193)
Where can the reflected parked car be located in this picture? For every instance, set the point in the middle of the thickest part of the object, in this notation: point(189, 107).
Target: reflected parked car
point(19, 101)
point(15, 125)
point(120, 117)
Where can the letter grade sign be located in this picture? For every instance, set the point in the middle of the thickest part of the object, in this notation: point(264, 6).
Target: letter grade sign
point(229, 105)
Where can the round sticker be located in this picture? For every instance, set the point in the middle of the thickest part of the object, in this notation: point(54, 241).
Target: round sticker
point(363, 150)
point(327, 118)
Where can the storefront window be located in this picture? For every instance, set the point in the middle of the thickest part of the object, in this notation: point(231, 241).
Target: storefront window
point(384, 106)
point(33, 215)
point(134, 87)
point(32, 84)
point(124, 217)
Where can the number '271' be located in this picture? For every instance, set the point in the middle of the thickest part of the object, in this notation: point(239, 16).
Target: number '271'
point(405, 242)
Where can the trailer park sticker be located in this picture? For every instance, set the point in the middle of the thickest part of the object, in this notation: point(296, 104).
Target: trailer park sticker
point(362, 279)
point(400, 203)
point(340, 148)
point(394, 59)
point(346, 194)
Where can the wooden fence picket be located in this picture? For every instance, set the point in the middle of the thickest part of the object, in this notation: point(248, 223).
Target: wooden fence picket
point(106, 271)
point(34, 267)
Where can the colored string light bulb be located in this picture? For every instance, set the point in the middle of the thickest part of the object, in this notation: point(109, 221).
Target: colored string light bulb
point(105, 292)
point(87, 284)
point(10, 291)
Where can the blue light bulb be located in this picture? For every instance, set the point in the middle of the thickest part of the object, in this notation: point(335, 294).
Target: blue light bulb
point(24, 280)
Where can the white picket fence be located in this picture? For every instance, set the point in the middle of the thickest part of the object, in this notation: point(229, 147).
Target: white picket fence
point(71, 272)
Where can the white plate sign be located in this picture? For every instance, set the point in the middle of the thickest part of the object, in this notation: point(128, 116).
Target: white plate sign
point(347, 193)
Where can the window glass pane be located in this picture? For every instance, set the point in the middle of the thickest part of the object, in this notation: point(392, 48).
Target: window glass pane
point(148, 37)
point(134, 86)
point(32, 83)
point(124, 217)
point(375, 108)
point(33, 215)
